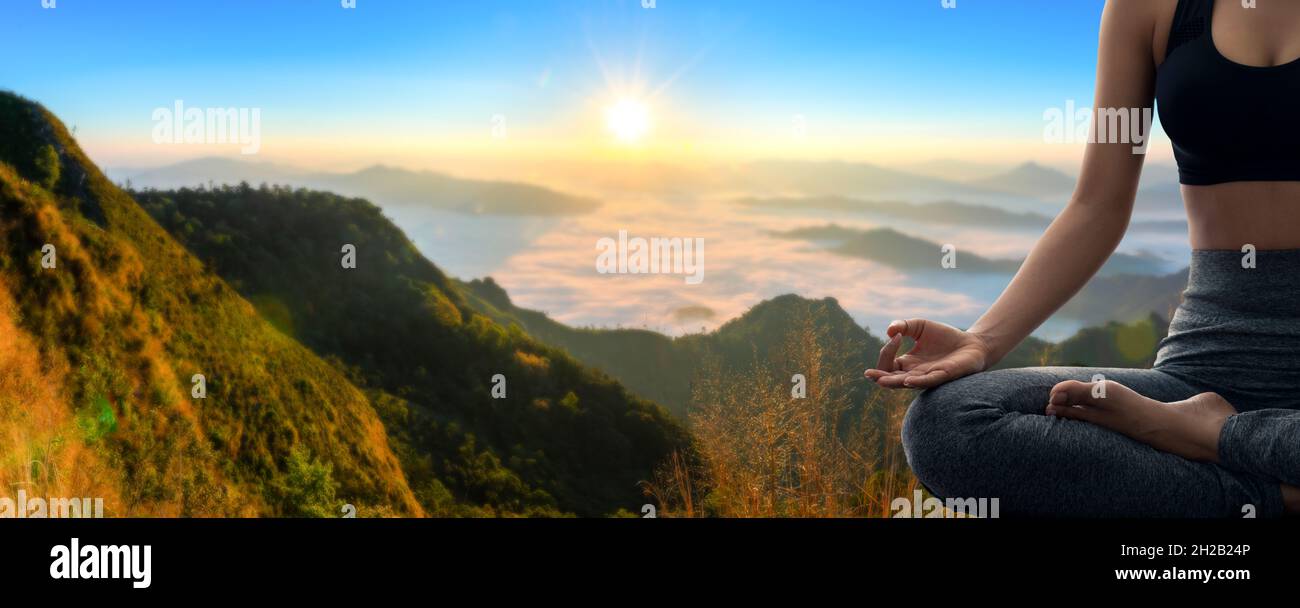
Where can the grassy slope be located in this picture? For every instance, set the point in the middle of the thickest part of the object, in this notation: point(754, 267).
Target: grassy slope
point(124, 321)
point(44, 453)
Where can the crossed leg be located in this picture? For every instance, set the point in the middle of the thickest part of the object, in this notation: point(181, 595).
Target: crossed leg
point(987, 436)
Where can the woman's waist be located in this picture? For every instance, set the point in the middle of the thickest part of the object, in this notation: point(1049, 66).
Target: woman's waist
point(1237, 329)
point(1228, 216)
point(1243, 287)
point(1239, 314)
point(1254, 361)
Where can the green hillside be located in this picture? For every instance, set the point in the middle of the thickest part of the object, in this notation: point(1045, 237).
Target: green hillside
point(109, 339)
point(563, 438)
point(649, 363)
point(662, 368)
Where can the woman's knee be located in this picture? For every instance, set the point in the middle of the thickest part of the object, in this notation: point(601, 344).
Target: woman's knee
point(939, 429)
point(938, 413)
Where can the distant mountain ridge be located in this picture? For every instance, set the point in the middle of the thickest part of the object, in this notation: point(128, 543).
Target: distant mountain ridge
point(389, 185)
point(1029, 179)
point(941, 212)
point(763, 178)
point(403, 187)
point(893, 248)
point(826, 178)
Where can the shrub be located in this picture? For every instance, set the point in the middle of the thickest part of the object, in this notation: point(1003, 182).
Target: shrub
point(47, 167)
point(307, 488)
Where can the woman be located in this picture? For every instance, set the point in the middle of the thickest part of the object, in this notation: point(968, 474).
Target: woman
point(1213, 430)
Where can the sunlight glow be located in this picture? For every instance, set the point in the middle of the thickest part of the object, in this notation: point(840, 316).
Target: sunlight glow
point(628, 120)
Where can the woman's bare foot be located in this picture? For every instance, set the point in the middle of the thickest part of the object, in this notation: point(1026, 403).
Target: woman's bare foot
point(1188, 428)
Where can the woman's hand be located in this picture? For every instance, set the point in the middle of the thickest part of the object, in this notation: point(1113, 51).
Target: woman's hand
point(942, 353)
point(1189, 428)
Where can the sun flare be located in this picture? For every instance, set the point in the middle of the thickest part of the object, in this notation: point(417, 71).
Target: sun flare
point(628, 120)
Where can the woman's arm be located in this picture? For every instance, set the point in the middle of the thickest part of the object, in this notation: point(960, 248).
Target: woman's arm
point(1087, 232)
point(1077, 243)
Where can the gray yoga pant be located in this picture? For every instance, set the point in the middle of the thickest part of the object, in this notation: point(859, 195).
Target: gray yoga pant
point(1236, 333)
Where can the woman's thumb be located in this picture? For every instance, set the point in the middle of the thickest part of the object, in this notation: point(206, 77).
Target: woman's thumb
point(911, 328)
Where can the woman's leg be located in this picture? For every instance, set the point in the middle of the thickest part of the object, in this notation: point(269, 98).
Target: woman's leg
point(986, 436)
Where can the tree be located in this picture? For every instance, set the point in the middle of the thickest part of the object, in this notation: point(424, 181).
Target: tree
point(47, 167)
point(308, 486)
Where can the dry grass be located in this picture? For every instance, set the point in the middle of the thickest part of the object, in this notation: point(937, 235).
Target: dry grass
point(761, 452)
point(41, 451)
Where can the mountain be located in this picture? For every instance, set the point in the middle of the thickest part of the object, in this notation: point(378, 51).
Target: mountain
point(1159, 177)
point(1131, 344)
point(662, 368)
point(388, 186)
point(560, 438)
point(392, 186)
point(110, 320)
point(1127, 297)
point(651, 364)
point(834, 178)
point(940, 212)
point(951, 169)
point(943, 212)
point(893, 248)
point(1029, 179)
point(211, 170)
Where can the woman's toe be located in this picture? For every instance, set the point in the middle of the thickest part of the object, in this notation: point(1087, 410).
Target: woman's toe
point(1097, 393)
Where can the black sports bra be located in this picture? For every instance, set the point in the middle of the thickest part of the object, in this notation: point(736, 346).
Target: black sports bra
point(1229, 122)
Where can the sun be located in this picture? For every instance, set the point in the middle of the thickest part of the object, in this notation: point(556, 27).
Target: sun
point(628, 120)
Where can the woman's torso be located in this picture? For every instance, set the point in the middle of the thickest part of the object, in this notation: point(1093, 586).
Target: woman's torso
point(1251, 46)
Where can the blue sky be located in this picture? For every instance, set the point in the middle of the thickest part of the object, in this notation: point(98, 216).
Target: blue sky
point(423, 79)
